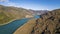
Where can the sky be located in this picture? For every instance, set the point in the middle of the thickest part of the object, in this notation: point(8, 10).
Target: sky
point(33, 4)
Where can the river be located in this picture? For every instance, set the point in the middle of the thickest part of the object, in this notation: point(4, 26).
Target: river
point(11, 27)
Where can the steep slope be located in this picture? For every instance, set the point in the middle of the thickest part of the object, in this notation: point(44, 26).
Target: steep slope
point(48, 23)
point(26, 28)
point(9, 13)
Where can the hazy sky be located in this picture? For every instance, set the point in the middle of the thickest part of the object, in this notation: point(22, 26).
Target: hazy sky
point(33, 4)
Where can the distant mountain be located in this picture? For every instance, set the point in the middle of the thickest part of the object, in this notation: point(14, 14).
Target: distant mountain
point(48, 23)
point(38, 12)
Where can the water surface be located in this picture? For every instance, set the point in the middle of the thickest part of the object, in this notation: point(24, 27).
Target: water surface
point(11, 27)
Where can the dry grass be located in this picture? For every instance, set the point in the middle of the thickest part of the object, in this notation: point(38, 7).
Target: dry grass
point(26, 28)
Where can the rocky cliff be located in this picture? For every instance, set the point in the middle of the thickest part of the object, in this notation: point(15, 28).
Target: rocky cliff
point(49, 23)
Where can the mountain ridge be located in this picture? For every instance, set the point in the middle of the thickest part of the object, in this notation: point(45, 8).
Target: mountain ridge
point(15, 13)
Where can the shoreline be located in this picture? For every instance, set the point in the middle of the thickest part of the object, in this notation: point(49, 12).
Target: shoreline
point(21, 28)
point(8, 22)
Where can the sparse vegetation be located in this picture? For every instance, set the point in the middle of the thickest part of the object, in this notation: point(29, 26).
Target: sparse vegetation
point(9, 13)
point(49, 23)
point(4, 19)
point(26, 28)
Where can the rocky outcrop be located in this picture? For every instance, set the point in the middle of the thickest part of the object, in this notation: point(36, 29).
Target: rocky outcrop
point(49, 23)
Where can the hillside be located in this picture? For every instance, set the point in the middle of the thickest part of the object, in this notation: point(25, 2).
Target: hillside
point(26, 28)
point(10, 13)
point(48, 23)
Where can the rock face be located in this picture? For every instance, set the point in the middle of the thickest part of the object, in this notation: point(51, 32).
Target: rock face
point(49, 23)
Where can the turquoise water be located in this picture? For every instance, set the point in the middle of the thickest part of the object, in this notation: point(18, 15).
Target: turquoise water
point(37, 16)
point(11, 27)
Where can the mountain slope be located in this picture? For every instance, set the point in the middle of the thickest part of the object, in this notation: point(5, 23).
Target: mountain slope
point(26, 28)
point(48, 23)
point(9, 13)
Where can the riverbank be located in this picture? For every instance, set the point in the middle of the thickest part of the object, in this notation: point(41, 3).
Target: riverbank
point(10, 21)
point(26, 28)
point(13, 26)
point(7, 22)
